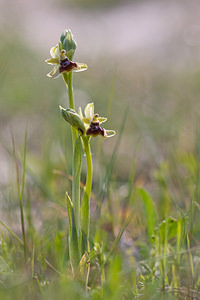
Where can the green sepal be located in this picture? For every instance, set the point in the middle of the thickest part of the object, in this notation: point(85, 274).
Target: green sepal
point(60, 45)
point(52, 61)
point(71, 116)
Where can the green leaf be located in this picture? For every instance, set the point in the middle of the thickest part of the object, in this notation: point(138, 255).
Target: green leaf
point(150, 211)
point(69, 211)
point(73, 240)
point(166, 229)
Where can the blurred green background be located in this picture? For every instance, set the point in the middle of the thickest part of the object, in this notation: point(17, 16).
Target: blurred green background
point(143, 56)
point(143, 73)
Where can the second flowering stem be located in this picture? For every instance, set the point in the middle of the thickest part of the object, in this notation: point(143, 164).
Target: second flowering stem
point(85, 205)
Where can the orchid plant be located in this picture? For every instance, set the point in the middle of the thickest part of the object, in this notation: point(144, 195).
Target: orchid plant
point(83, 128)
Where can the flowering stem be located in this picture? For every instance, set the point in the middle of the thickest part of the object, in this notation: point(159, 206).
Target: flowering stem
point(76, 171)
point(85, 207)
point(68, 79)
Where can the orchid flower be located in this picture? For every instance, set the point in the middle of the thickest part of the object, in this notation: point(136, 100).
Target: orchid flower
point(62, 63)
point(92, 122)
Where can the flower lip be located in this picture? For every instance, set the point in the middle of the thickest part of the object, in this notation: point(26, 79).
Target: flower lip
point(66, 65)
point(95, 130)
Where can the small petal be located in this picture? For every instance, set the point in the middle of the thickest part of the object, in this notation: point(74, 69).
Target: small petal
point(89, 111)
point(80, 112)
point(109, 133)
point(52, 61)
point(102, 120)
point(81, 67)
point(54, 73)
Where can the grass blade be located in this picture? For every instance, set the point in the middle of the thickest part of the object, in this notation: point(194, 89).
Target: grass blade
point(21, 190)
point(12, 233)
point(150, 212)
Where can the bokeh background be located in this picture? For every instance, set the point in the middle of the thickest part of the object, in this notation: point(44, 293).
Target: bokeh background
point(142, 56)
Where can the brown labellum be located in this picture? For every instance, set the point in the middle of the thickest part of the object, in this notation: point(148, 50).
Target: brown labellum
point(66, 65)
point(95, 130)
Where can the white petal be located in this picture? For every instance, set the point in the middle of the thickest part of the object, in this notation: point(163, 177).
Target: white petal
point(102, 120)
point(89, 111)
point(54, 72)
point(110, 133)
point(55, 53)
point(81, 67)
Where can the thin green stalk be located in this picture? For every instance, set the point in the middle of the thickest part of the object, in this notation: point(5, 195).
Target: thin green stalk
point(33, 262)
point(76, 173)
point(85, 208)
point(68, 79)
point(73, 242)
point(21, 191)
point(12, 233)
point(70, 91)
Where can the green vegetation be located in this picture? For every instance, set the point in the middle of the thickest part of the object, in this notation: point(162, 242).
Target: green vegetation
point(145, 225)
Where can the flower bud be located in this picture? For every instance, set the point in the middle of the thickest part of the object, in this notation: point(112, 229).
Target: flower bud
point(68, 43)
point(71, 116)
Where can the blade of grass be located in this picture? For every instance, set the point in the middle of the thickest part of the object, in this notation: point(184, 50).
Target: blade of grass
point(110, 100)
point(190, 261)
point(109, 169)
point(12, 233)
point(115, 243)
point(33, 262)
point(37, 181)
point(150, 212)
point(73, 242)
point(21, 190)
point(114, 154)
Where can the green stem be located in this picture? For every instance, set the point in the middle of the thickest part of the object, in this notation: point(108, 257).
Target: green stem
point(76, 173)
point(70, 91)
point(85, 208)
point(68, 79)
point(75, 235)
